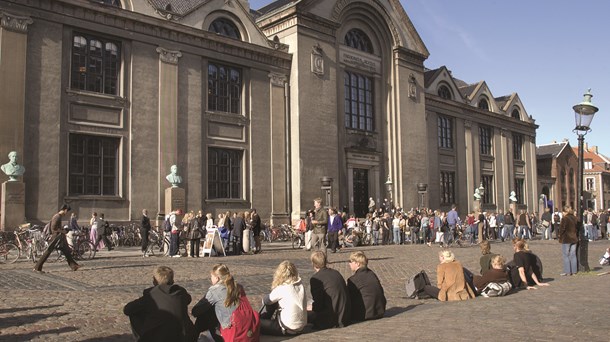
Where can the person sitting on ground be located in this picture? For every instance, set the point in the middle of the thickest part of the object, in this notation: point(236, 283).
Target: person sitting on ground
point(366, 294)
point(485, 260)
point(226, 306)
point(287, 301)
point(496, 274)
point(161, 313)
point(331, 304)
point(452, 285)
point(527, 270)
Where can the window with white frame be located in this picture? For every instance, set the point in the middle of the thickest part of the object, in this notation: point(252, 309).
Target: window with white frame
point(590, 183)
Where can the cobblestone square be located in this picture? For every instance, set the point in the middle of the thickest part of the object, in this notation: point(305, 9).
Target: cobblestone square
point(61, 305)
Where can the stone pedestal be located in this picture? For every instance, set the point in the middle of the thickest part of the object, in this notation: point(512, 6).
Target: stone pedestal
point(174, 199)
point(13, 205)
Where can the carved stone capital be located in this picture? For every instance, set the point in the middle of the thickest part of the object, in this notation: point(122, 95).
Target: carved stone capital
point(169, 56)
point(14, 23)
point(278, 79)
point(467, 123)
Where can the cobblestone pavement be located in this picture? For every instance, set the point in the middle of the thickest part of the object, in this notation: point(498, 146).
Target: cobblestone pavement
point(61, 305)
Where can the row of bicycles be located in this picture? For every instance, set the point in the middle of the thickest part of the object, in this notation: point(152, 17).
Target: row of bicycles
point(29, 244)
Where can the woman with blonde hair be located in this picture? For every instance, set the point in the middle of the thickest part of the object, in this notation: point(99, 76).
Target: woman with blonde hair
point(451, 282)
point(286, 301)
point(225, 306)
point(527, 270)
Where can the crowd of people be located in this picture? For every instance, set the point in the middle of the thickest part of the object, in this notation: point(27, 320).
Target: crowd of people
point(225, 312)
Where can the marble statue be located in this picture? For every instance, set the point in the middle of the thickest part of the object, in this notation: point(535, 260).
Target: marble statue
point(513, 197)
point(12, 169)
point(173, 177)
point(477, 194)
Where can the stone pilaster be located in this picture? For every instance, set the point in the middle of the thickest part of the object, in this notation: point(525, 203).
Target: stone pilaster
point(168, 117)
point(13, 49)
point(279, 148)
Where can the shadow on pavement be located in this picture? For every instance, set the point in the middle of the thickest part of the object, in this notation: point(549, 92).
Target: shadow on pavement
point(398, 310)
point(117, 337)
point(32, 335)
point(27, 319)
point(113, 267)
point(10, 310)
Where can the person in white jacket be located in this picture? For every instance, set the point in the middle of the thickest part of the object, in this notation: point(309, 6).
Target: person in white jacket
point(285, 311)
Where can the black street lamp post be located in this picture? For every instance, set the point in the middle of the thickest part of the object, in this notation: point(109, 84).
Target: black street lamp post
point(583, 114)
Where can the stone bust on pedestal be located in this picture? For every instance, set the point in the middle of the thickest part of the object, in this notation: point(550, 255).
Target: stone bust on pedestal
point(513, 197)
point(173, 177)
point(12, 169)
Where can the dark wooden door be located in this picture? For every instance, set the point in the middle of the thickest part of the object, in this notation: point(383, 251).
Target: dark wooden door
point(361, 192)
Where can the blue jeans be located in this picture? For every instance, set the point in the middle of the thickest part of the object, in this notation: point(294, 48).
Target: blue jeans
point(396, 235)
point(524, 233)
point(569, 258)
point(590, 231)
point(375, 237)
point(508, 232)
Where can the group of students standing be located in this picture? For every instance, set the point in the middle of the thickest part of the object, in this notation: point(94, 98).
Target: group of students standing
point(194, 227)
point(161, 313)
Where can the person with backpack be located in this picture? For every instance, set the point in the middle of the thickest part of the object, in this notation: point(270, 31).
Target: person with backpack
point(452, 284)
point(225, 306)
point(58, 241)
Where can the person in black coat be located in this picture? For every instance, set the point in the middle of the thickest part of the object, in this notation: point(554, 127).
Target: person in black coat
point(366, 294)
point(144, 229)
point(331, 304)
point(161, 313)
point(239, 225)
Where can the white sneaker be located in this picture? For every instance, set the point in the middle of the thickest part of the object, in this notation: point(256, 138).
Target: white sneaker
point(176, 256)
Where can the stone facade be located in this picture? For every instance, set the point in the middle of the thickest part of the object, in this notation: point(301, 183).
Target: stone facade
point(315, 90)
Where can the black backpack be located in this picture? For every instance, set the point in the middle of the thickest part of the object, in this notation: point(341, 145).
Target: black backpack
point(415, 285)
point(167, 226)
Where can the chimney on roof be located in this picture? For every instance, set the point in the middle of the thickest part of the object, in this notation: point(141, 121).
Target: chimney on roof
point(586, 147)
point(594, 149)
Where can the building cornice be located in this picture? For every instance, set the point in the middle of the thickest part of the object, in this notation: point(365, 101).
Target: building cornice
point(132, 23)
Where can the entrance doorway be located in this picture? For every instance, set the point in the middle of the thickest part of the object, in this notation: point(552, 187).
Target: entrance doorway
point(361, 192)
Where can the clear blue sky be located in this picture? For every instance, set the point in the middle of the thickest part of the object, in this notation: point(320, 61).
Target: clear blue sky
point(547, 51)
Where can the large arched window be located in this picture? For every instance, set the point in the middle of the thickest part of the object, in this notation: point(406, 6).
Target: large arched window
point(444, 92)
point(483, 104)
point(357, 39)
point(515, 114)
point(225, 27)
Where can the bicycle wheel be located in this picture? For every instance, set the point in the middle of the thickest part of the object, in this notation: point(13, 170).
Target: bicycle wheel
point(85, 251)
point(296, 242)
point(9, 253)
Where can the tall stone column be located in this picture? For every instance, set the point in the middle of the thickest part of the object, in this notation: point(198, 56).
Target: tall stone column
point(13, 49)
point(168, 118)
point(279, 148)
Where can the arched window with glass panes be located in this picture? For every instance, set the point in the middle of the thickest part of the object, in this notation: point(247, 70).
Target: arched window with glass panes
point(359, 90)
point(483, 104)
point(225, 27)
point(444, 92)
point(515, 114)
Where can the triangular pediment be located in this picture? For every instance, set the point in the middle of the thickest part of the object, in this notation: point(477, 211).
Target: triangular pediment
point(435, 79)
point(513, 103)
point(201, 13)
point(480, 91)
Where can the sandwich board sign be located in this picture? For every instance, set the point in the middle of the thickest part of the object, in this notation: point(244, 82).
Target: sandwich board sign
point(213, 243)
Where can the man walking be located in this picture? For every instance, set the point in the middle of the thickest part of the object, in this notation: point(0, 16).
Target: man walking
point(144, 229)
point(320, 223)
point(58, 241)
point(453, 219)
point(256, 230)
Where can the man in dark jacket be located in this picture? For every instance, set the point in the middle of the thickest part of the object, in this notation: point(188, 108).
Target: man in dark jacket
point(256, 230)
point(366, 294)
point(331, 305)
point(58, 241)
point(161, 313)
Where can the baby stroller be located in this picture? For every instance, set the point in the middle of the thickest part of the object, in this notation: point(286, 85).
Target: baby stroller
point(605, 260)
